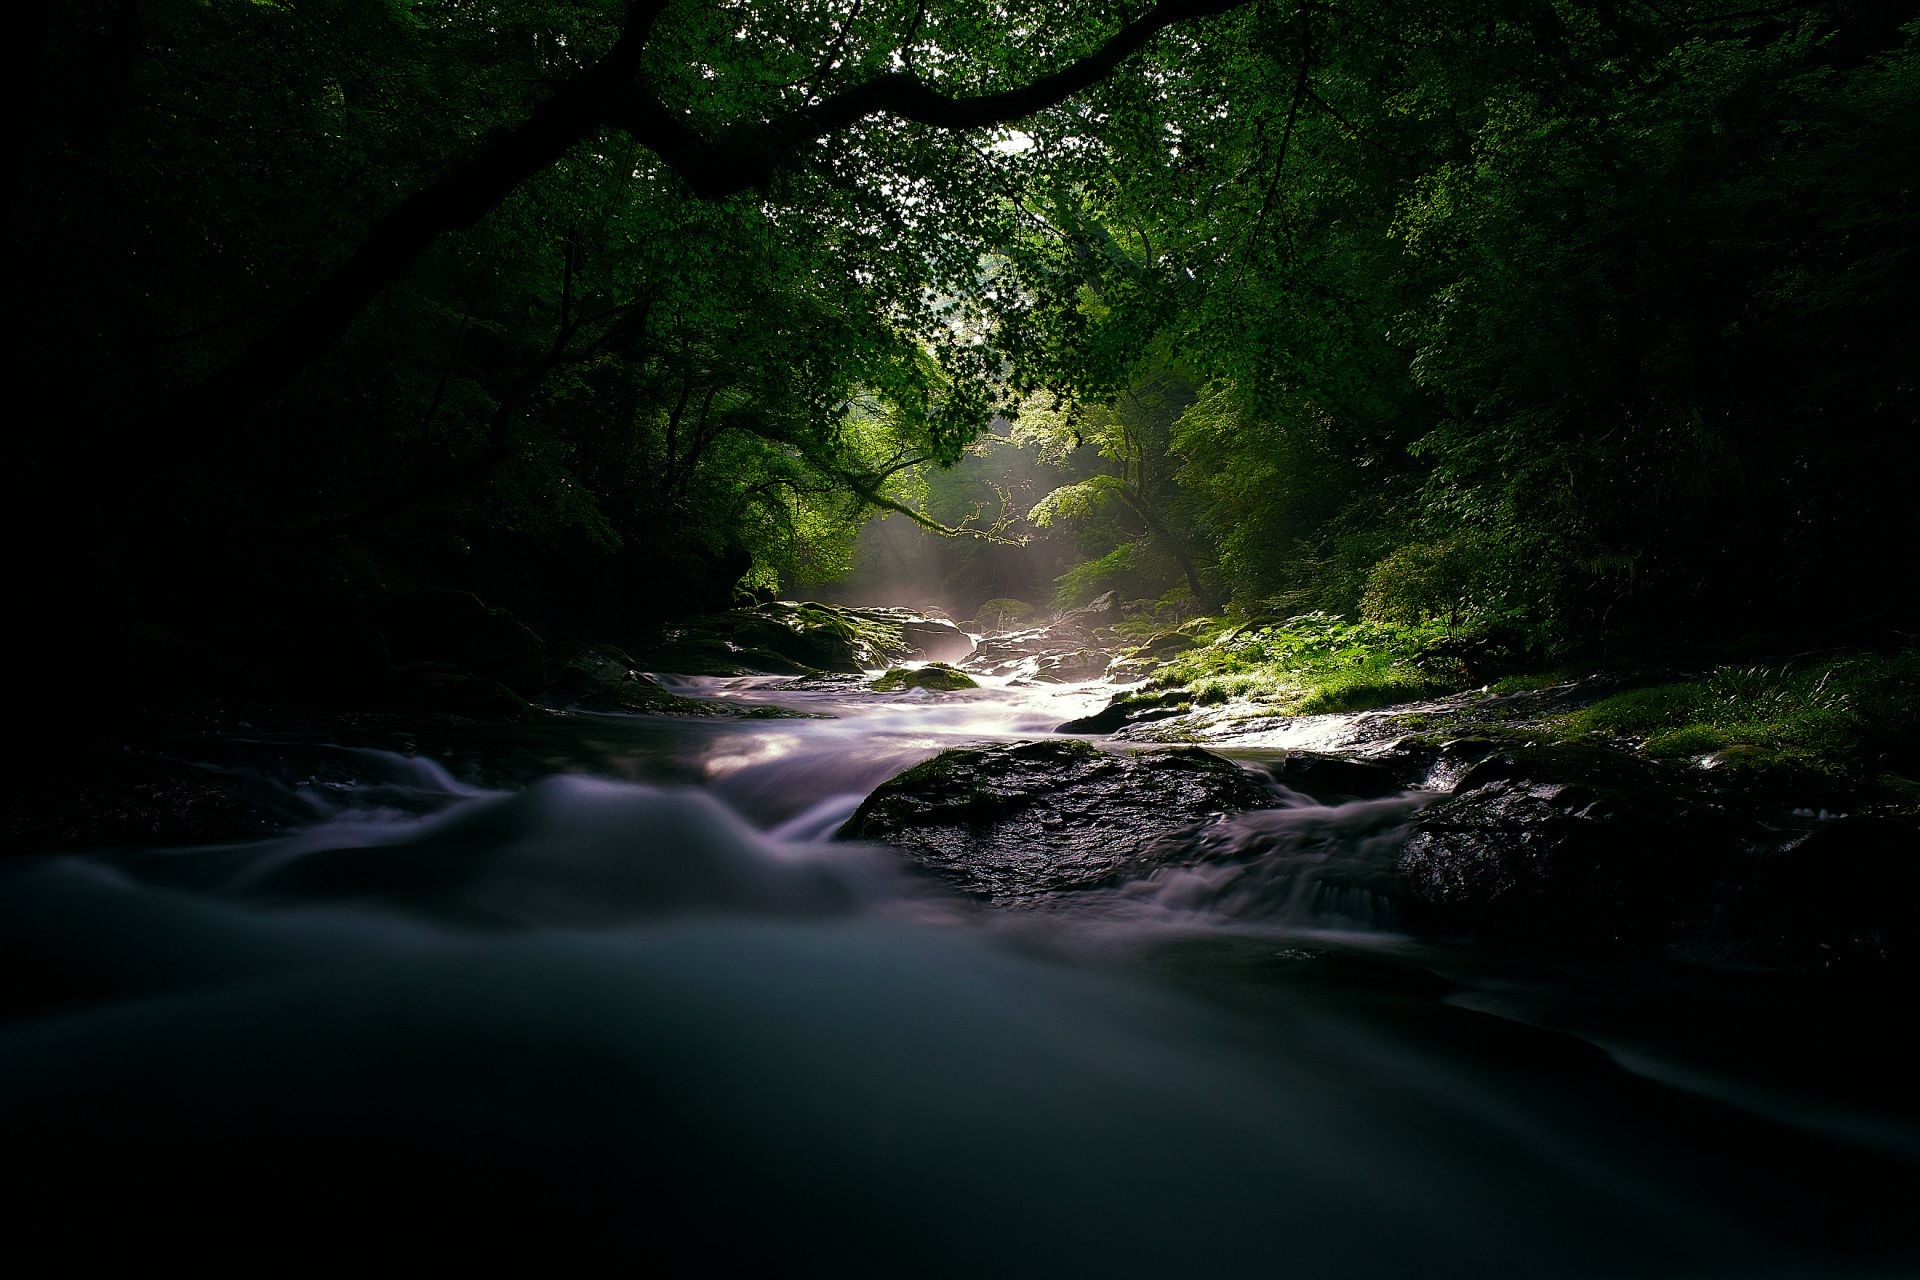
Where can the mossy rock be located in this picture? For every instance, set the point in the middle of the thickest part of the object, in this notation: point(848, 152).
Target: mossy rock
point(937, 676)
point(789, 638)
point(1004, 611)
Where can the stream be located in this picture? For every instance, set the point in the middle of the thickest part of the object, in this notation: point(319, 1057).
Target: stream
point(606, 989)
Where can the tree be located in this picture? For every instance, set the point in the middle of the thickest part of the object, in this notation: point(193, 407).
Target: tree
point(743, 150)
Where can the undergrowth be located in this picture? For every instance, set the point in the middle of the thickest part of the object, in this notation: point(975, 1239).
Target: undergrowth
point(1838, 715)
point(1317, 662)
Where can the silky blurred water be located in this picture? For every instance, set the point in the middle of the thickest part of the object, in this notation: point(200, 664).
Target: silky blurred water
point(648, 1012)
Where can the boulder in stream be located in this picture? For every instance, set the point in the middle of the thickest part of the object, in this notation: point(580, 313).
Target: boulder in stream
point(789, 638)
point(935, 676)
point(1015, 821)
point(1569, 845)
point(456, 628)
point(602, 678)
point(442, 686)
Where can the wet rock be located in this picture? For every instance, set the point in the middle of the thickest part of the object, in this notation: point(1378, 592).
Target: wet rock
point(1127, 710)
point(1567, 845)
point(458, 629)
point(133, 797)
point(1846, 895)
point(1326, 777)
point(936, 676)
point(934, 640)
point(441, 686)
point(600, 677)
point(1072, 666)
point(1142, 660)
point(788, 638)
point(1050, 655)
point(1096, 616)
point(1015, 821)
point(1002, 612)
point(1008, 653)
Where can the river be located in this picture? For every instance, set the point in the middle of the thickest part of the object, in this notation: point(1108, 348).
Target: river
point(606, 990)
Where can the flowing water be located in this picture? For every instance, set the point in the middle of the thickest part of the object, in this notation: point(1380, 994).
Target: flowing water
point(608, 990)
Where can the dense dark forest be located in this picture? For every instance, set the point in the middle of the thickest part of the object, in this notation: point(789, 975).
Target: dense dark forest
point(1576, 320)
point(965, 638)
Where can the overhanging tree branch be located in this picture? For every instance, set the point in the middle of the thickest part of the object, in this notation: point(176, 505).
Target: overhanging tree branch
point(613, 93)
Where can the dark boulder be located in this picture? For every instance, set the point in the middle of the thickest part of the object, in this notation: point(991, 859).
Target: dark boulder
point(1128, 709)
point(600, 677)
point(141, 798)
point(787, 638)
point(1844, 895)
point(1568, 845)
point(1014, 821)
point(1327, 777)
point(441, 686)
point(457, 628)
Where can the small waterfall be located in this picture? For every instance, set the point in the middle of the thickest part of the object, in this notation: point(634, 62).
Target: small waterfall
point(1305, 864)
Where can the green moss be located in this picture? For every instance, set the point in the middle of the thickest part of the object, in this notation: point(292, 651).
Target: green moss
point(1527, 682)
point(1316, 663)
point(1690, 740)
point(1840, 716)
point(937, 676)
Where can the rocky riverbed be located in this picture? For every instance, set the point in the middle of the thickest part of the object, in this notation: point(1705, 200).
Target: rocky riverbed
point(1386, 991)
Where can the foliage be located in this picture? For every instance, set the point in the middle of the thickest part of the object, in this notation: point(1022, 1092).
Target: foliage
point(1568, 318)
point(1316, 663)
point(1582, 319)
point(1447, 581)
point(1839, 714)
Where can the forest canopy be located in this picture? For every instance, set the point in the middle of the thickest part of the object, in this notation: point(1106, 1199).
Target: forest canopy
point(1507, 313)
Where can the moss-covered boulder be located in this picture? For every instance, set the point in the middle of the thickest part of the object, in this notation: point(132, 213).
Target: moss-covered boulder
point(1129, 709)
point(1144, 659)
point(936, 676)
point(1020, 820)
point(1002, 612)
point(600, 677)
point(789, 638)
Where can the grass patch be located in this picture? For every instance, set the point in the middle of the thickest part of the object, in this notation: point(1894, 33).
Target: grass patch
point(1528, 682)
point(1843, 715)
